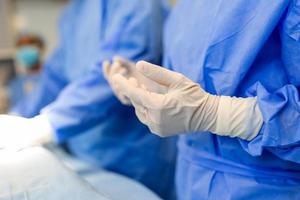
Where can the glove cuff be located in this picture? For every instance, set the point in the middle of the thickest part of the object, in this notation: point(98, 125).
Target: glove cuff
point(238, 117)
point(44, 131)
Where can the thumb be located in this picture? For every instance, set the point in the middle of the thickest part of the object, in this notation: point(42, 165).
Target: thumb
point(158, 74)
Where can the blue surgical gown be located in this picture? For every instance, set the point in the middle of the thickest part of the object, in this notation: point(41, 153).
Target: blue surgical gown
point(82, 108)
point(244, 49)
point(21, 86)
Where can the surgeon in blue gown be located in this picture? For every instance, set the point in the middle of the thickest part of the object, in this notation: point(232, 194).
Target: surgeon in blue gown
point(249, 50)
point(81, 107)
point(253, 50)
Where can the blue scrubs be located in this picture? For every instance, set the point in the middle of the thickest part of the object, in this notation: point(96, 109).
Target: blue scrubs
point(110, 134)
point(21, 86)
point(243, 49)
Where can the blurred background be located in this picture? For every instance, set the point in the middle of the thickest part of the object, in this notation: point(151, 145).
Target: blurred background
point(24, 23)
point(28, 16)
point(27, 32)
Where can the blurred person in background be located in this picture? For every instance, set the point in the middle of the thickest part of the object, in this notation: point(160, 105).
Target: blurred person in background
point(79, 108)
point(29, 53)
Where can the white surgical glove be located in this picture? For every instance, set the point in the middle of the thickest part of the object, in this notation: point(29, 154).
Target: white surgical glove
point(127, 69)
point(18, 132)
point(186, 107)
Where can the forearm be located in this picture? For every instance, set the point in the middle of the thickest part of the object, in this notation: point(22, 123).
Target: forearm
point(81, 106)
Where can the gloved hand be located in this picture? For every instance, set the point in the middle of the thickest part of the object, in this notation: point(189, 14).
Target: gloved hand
point(186, 107)
point(127, 69)
point(18, 132)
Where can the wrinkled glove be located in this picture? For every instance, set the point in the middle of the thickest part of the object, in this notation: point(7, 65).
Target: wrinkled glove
point(127, 69)
point(18, 132)
point(185, 107)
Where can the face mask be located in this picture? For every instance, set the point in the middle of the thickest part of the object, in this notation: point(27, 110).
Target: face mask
point(28, 56)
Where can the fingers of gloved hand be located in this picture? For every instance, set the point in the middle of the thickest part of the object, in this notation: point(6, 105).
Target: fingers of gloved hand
point(141, 113)
point(109, 69)
point(133, 72)
point(133, 81)
point(143, 86)
point(138, 95)
point(122, 98)
point(123, 71)
point(106, 69)
point(129, 66)
point(116, 68)
point(123, 61)
point(126, 87)
point(159, 74)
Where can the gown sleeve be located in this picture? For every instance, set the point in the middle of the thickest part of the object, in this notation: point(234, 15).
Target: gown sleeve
point(280, 133)
point(132, 30)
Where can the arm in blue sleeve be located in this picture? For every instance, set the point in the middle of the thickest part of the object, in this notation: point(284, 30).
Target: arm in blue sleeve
point(133, 31)
point(81, 106)
point(280, 133)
